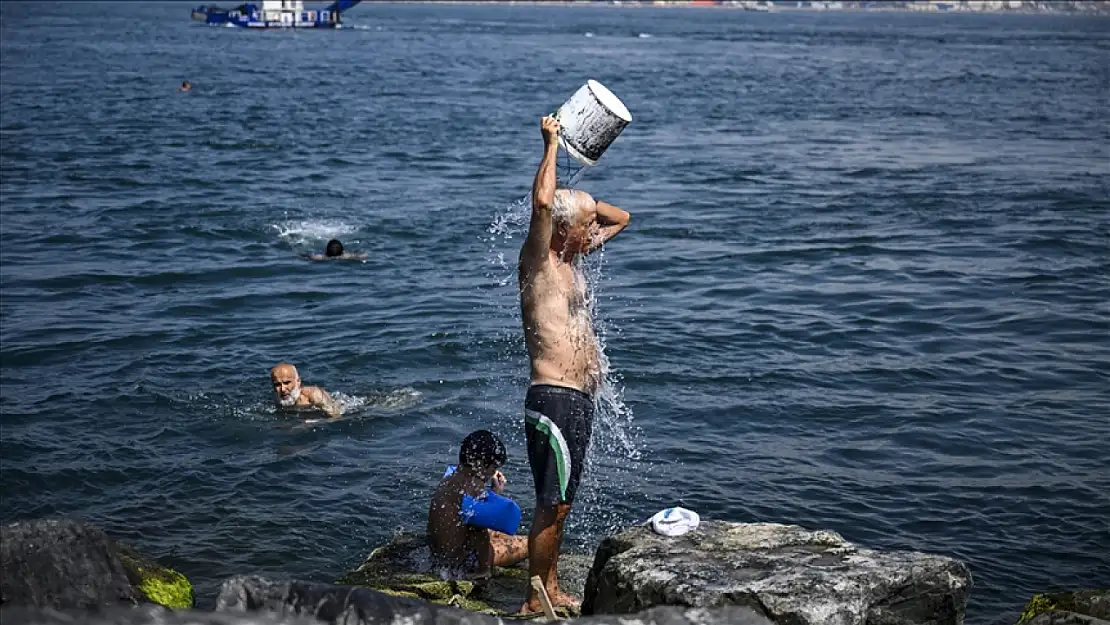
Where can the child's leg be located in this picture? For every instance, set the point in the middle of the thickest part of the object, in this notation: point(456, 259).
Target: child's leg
point(508, 550)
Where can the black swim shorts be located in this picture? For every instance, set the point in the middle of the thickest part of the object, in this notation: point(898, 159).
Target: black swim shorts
point(558, 422)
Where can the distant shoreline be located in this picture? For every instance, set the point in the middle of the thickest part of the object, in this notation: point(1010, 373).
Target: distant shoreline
point(777, 9)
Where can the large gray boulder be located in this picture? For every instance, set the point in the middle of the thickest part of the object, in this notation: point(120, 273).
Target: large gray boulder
point(65, 563)
point(790, 574)
point(257, 597)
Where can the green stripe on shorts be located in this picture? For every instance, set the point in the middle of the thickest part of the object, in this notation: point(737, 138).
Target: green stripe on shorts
point(558, 445)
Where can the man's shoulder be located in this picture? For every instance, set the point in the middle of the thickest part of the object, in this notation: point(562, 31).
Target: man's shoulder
point(314, 392)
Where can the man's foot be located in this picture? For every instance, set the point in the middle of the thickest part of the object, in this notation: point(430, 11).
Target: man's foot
point(561, 599)
point(560, 602)
point(530, 608)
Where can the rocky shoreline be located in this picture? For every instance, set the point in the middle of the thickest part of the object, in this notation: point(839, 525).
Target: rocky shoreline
point(66, 571)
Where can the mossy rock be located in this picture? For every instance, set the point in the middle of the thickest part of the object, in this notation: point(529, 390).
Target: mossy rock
point(1088, 602)
point(159, 584)
point(400, 568)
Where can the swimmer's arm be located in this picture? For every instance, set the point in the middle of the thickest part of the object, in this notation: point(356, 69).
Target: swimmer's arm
point(535, 247)
point(323, 401)
point(611, 221)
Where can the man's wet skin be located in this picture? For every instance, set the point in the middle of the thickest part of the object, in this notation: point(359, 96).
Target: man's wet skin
point(565, 226)
point(290, 394)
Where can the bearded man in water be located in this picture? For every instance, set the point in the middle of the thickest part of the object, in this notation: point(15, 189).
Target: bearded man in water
point(291, 395)
point(566, 225)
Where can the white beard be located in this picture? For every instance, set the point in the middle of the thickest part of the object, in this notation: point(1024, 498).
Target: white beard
point(294, 395)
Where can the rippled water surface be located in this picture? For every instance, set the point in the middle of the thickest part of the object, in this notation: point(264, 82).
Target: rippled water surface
point(866, 286)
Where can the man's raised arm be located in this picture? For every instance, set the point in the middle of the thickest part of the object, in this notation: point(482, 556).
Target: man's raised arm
point(543, 198)
point(611, 220)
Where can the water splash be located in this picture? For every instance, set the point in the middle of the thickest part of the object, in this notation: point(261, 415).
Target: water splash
point(308, 231)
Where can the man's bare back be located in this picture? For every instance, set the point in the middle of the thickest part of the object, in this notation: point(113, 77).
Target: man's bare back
point(458, 545)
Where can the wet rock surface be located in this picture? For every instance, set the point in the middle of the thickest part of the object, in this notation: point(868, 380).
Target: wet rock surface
point(1080, 607)
point(400, 568)
point(785, 572)
point(69, 564)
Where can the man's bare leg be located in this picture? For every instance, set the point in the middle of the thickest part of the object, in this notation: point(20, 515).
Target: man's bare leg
point(508, 550)
point(544, 541)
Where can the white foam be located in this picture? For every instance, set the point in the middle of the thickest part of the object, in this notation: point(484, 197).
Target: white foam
point(305, 231)
point(396, 399)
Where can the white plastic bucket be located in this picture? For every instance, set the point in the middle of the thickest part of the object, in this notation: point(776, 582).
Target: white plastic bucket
point(591, 120)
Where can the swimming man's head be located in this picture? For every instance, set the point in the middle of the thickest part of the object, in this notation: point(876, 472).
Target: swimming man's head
point(287, 384)
point(334, 248)
point(482, 451)
point(574, 214)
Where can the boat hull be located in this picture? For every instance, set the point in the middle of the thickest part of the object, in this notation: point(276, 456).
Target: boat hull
point(249, 16)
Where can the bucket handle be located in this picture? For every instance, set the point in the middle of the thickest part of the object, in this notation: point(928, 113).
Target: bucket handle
point(556, 116)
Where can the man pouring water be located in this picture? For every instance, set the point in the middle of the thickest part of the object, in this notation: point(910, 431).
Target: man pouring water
point(566, 225)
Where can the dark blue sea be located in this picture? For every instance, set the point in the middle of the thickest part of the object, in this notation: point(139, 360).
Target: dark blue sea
point(866, 287)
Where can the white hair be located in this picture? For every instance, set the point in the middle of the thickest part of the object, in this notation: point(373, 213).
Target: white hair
point(565, 208)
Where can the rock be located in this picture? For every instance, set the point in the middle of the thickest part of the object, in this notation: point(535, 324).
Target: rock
point(331, 603)
point(672, 615)
point(787, 573)
point(1059, 617)
point(148, 614)
point(157, 583)
point(1056, 607)
point(64, 563)
point(400, 568)
point(157, 615)
point(362, 606)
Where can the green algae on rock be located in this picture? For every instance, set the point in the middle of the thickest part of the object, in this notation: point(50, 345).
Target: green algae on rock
point(159, 584)
point(1094, 602)
point(400, 568)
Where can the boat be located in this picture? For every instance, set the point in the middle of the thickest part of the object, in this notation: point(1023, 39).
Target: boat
point(201, 13)
point(275, 14)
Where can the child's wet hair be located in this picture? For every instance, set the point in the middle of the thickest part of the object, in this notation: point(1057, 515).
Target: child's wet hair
point(481, 449)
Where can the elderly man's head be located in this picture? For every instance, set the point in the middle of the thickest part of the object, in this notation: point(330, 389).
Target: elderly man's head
point(287, 384)
point(574, 214)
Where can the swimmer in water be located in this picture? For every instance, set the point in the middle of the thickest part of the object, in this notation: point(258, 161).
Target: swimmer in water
point(469, 529)
point(291, 395)
point(566, 225)
point(334, 251)
point(185, 86)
